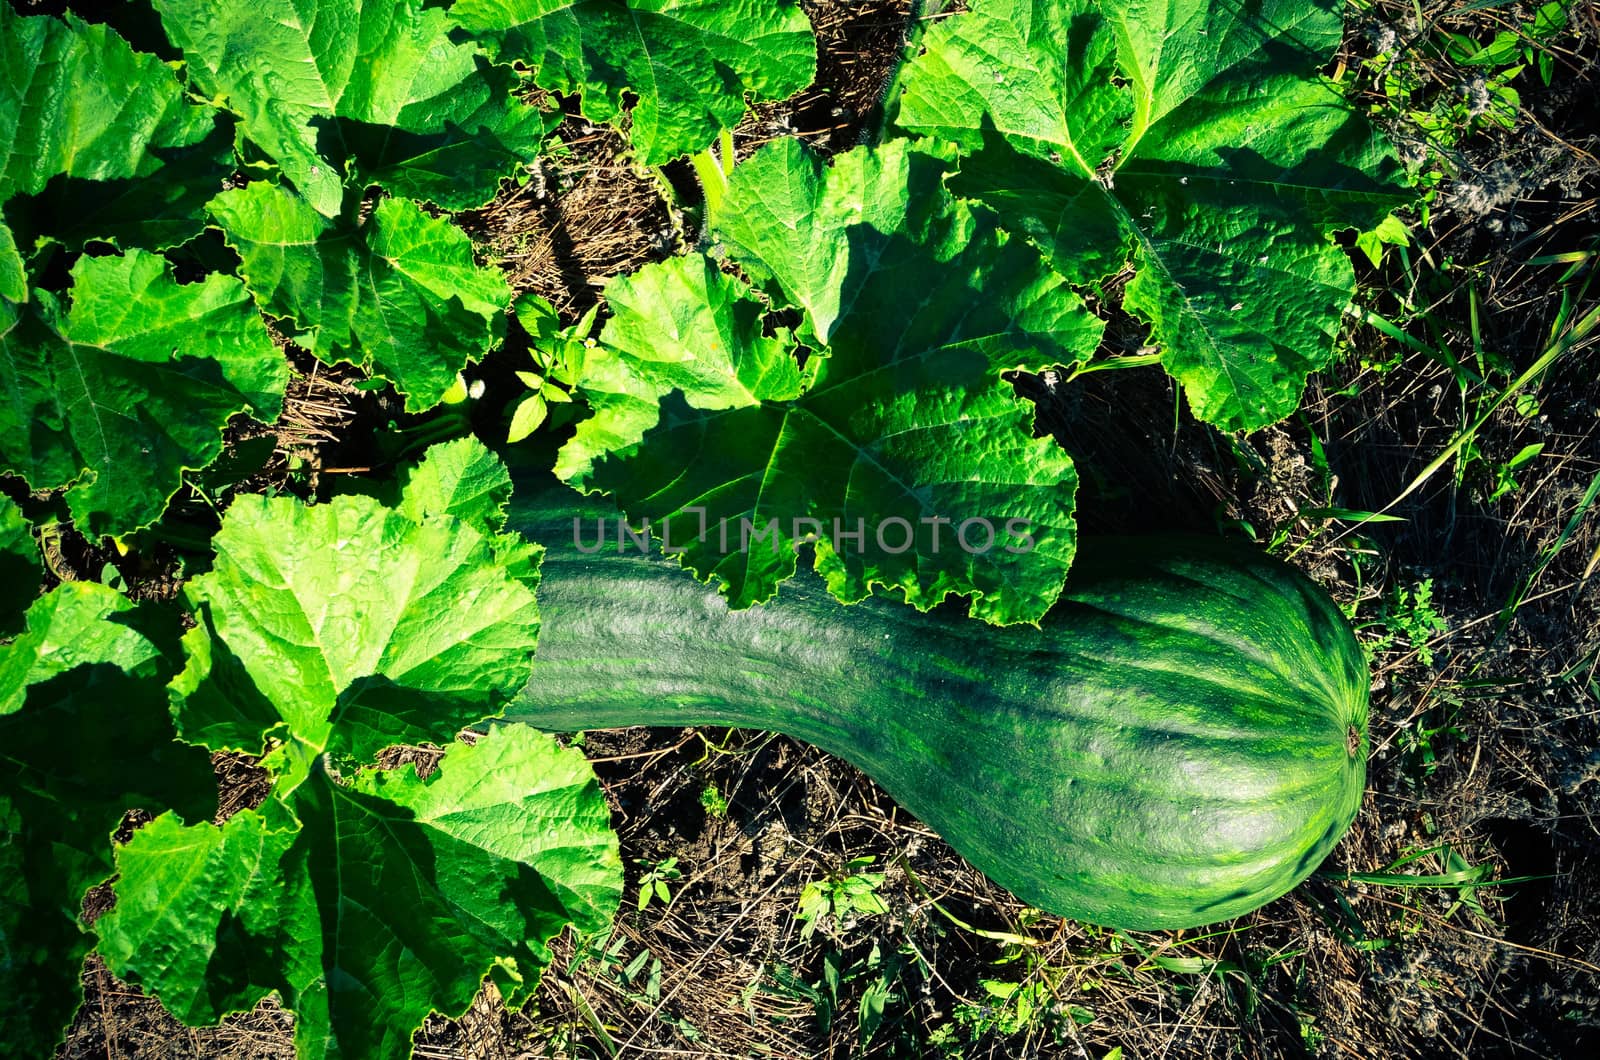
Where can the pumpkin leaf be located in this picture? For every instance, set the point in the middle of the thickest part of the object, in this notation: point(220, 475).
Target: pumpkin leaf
point(898, 445)
point(377, 91)
point(161, 207)
point(20, 569)
point(13, 273)
point(459, 478)
point(76, 100)
point(1198, 144)
point(84, 736)
point(116, 397)
point(97, 141)
point(401, 295)
point(365, 899)
point(368, 905)
point(690, 63)
point(335, 613)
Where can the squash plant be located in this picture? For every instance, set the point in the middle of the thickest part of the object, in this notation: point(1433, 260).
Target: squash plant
point(1154, 754)
point(1197, 157)
point(1202, 150)
point(320, 636)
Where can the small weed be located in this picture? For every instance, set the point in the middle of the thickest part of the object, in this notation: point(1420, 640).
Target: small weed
point(1440, 87)
point(558, 361)
point(636, 980)
point(1031, 994)
point(879, 974)
point(1409, 614)
point(1451, 870)
point(1504, 473)
point(1484, 378)
point(1311, 1036)
point(841, 896)
point(653, 882)
point(1418, 741)
point(1240, 979)
point(1525, 587)
point(874, 973)
point(714, 802)
point(1033, 1005)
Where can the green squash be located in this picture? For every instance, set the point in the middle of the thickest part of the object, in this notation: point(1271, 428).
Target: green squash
point(1182, 740)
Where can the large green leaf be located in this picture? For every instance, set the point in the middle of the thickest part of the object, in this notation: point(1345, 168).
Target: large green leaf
point(153, 210)
point(84, 736)
point(460, 478)
point(899, 427)
point(76, 624)
point(20, 569)
point(463, 479)
point(13, 273)
point(369, 905)
point(190, 896)
point(380, 88)
point(368, 902)
point(117, 397)
point(76, 100)
point(358, 625)
point(399, 295)
point(817, 239)
point(1192, 138)
point(690, 63)
point(682, 325)
point(107, 130)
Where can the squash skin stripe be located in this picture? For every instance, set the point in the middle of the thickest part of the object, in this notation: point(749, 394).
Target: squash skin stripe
point(1137, 818)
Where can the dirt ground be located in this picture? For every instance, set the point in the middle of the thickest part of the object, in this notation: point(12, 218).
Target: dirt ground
point(1480, 602)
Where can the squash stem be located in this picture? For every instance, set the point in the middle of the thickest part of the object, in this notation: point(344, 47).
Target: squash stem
point(713, 171)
